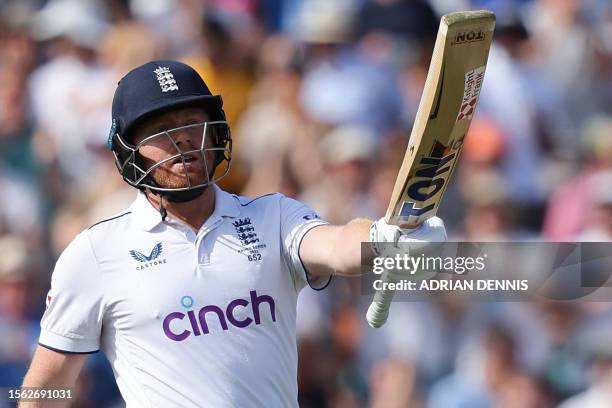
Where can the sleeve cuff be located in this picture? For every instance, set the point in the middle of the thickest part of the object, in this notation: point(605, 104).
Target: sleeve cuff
point(64, 344)
point(315, 282)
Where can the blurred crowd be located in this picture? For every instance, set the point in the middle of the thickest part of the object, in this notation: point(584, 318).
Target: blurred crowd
point(321, 96)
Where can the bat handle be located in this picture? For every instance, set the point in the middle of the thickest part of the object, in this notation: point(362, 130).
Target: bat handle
point(378, 312)
point(379, 308)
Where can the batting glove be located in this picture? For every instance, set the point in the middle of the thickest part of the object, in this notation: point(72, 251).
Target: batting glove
point(418, 239)
point(391, 240)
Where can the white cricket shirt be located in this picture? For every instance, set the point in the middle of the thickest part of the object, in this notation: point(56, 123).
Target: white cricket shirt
point(186, 319)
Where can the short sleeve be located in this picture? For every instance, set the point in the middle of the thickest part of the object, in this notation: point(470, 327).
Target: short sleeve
point(72, 322)
point(296, 220)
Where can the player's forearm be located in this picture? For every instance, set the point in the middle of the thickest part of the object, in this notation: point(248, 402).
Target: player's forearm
point(346, 254)
point(335, 249)
point(52, 370)
point(38, 380)
point(44, 384)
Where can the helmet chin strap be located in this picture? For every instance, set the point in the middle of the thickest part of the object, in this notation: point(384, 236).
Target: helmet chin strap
point(162, 209)
point(184, 196)
point(177, 197)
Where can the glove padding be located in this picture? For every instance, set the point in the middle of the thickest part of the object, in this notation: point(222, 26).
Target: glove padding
point(391, 240)
point(418, 239)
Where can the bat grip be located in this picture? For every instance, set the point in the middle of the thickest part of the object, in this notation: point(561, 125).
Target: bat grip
point(379, 308)
point(378, 312)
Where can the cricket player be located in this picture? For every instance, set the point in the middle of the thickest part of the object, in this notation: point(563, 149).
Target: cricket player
point(191, 291)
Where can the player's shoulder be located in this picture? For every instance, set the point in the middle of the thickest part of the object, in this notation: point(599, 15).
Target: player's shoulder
point(263, 200)
point(101, 228)
point(77, 256)
point(266, 207)
point(110, 230)
point(114, 222)
point(85, 246)
point(272, 202)
point(259, 205)
point(274, 206)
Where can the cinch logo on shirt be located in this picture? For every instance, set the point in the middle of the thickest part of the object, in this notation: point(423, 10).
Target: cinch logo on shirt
point(198, 324)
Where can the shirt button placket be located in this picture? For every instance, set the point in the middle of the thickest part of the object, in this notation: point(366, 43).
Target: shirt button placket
point(203, 257)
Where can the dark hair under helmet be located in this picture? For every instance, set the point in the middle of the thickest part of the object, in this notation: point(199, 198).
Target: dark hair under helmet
point(154, 88)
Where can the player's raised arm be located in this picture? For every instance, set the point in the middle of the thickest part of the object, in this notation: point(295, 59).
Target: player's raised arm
point(51, 370)
point(336, 249)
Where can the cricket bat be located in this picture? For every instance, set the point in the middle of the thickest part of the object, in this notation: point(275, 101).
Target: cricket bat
point(448, 103)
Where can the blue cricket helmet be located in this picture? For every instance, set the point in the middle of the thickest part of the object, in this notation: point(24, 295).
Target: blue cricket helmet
point(151, 89)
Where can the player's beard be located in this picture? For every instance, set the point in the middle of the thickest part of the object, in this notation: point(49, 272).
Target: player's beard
point(175, 176)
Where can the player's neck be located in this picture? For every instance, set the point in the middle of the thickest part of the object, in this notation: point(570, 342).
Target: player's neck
point(193, 213)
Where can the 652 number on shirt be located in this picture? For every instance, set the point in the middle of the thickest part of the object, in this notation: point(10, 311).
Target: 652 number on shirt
point(254, 257)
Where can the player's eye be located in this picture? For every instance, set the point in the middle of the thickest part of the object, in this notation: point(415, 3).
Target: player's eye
point(159, 129)
point(193, 121)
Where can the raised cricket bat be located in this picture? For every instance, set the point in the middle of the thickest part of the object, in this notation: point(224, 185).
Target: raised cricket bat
point(452, 88)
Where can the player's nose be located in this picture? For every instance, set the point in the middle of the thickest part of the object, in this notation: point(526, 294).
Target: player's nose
point(184, 140)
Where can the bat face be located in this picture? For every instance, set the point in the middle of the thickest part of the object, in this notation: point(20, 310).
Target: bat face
point(452, 88)
point(427, 182)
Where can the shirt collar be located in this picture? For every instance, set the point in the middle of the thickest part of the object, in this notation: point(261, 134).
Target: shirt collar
point(148, 217)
